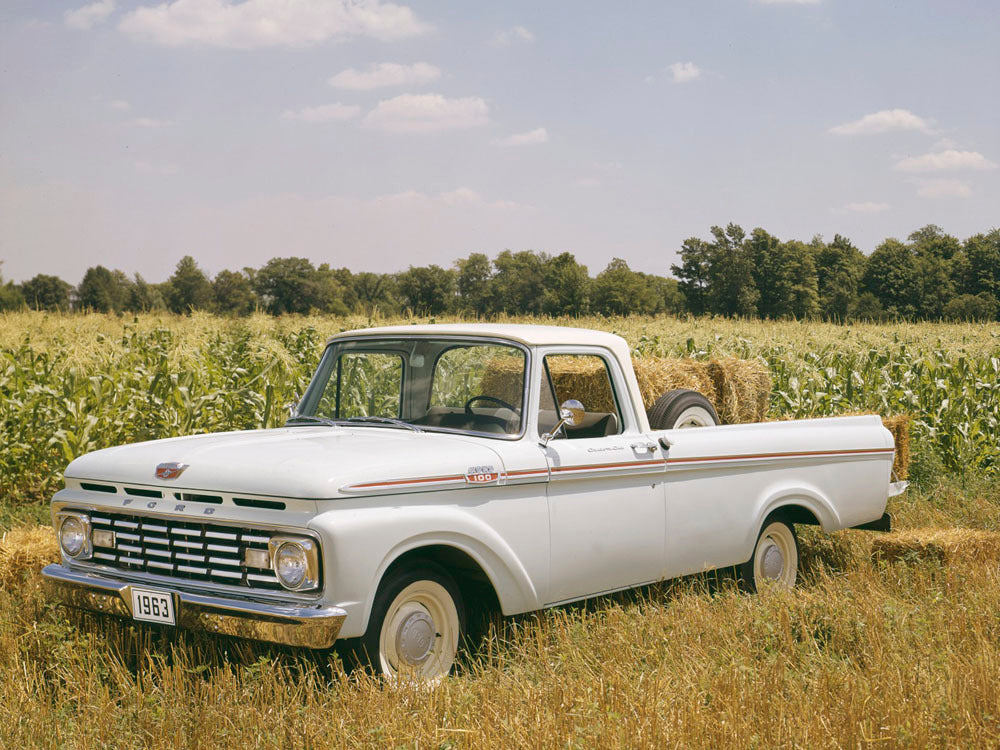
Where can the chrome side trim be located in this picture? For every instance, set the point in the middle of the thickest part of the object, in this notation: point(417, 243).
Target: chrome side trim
point(287, 624)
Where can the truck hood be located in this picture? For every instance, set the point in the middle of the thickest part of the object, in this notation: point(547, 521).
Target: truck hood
point(309, 462)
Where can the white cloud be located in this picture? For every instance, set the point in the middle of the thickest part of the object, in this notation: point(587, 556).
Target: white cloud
point(883, 122)
point(788, 2)
point(269, 23)
point(89, 15)
point(682, 72)
point(148, 122)
point(510, 36)
point(942, 160)
point(323, 113)
point(385, 74)
point(943, 188)
point(538, 135)
point(427, 113)
point(863, 207)
point(588, 182)
point(120, 104)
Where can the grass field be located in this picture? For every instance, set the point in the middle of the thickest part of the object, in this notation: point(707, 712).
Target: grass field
point(864, 653)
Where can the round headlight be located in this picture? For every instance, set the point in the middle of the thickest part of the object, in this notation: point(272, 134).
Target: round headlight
point(72, 536)
point(291, 565)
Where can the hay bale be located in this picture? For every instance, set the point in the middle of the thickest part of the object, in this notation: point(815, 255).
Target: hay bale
point(742, 388)
point(739, 389)
point(26, 549)
point(657, 375)
point(899, 426)
point(942, 545)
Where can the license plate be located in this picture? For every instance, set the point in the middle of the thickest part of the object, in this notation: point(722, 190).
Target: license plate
point(153, 606)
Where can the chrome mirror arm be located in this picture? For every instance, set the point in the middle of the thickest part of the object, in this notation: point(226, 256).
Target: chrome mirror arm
point(570, 413)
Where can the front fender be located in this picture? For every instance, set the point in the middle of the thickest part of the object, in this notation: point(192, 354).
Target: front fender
point(361, 543)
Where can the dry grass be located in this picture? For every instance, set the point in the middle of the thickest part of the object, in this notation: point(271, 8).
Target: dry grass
point(865, 653)
point(24, 551)
point(951, 546)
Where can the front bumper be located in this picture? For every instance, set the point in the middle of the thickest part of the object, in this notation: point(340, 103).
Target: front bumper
point(290, 625)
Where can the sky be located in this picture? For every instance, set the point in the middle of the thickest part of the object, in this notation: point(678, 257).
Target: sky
point(378, 135)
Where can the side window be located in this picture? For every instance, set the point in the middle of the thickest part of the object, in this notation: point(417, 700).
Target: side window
point(584, 377)
point(370, 386)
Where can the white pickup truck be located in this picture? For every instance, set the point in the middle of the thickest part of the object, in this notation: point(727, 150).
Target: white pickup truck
point(428, 470)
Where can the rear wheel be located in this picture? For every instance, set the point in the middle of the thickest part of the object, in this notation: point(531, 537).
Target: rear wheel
point(775, 559)
point(416, 624)
point(681, 409)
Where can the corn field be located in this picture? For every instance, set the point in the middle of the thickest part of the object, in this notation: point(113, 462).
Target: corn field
point(72, 384)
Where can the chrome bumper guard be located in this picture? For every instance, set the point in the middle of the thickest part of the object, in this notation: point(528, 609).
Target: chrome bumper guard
point(289, 625)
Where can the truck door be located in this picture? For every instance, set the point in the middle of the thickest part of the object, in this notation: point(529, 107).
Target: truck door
point(606, 494)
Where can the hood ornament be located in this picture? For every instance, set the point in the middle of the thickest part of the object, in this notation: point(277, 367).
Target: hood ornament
point(170, 470)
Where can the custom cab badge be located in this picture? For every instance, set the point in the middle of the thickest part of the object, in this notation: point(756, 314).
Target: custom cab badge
point(482, 475)
point(170, 470)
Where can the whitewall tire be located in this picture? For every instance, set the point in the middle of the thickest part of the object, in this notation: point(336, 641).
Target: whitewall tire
point(775, 559)
point(416, 625)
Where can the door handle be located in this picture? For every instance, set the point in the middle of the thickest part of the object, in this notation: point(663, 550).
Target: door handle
point(644, 447)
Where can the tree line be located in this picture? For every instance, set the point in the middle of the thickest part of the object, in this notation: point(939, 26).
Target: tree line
point(930, 276)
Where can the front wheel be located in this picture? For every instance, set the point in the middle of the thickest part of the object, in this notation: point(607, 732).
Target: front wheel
point(416, 624)
point(775, 558)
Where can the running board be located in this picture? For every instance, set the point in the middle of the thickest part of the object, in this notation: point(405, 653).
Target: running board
point(882, 524)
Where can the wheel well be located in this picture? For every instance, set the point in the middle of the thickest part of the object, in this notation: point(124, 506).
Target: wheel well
point(796, 514)
point(475, 586)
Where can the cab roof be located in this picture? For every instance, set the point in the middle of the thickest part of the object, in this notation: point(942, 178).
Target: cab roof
point(530, 335)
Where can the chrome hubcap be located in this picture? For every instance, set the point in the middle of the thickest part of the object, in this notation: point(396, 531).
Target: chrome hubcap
point(415, 638)
point(773, 562)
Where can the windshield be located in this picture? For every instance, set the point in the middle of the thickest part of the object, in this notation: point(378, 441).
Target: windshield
point(421, 382)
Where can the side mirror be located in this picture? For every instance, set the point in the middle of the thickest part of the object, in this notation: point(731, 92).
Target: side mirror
point(571, 412)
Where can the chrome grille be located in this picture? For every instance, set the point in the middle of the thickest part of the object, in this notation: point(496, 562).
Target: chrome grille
point(184, 549)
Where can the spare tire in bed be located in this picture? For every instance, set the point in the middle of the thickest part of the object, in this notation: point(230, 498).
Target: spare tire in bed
point(680, 409)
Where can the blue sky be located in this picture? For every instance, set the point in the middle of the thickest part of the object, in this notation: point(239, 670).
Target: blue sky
point(379, 135)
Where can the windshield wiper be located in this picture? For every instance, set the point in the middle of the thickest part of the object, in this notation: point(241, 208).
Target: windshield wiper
point(384, 420)
point(309, 419)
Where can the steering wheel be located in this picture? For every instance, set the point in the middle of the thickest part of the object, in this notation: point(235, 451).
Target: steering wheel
point(499, 401)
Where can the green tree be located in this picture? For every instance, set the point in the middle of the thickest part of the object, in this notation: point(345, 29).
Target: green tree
point(785, 277)
point(102, 290)
point(427, 290)
point(293, 285)
point(731, 287)
point(618, 290)
point(977, 266)
point(934, 257)
point(45, 292)
point(891, 276)
point(566, 285)
point(11, 297)
point(188, 288)
point(143, 296)
point(233, 293)
point(375, 291)
point(839, 267)
point(348, 297)
point(972, 307)
point(693, 274)
point(474, 283)
point(518, 283)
